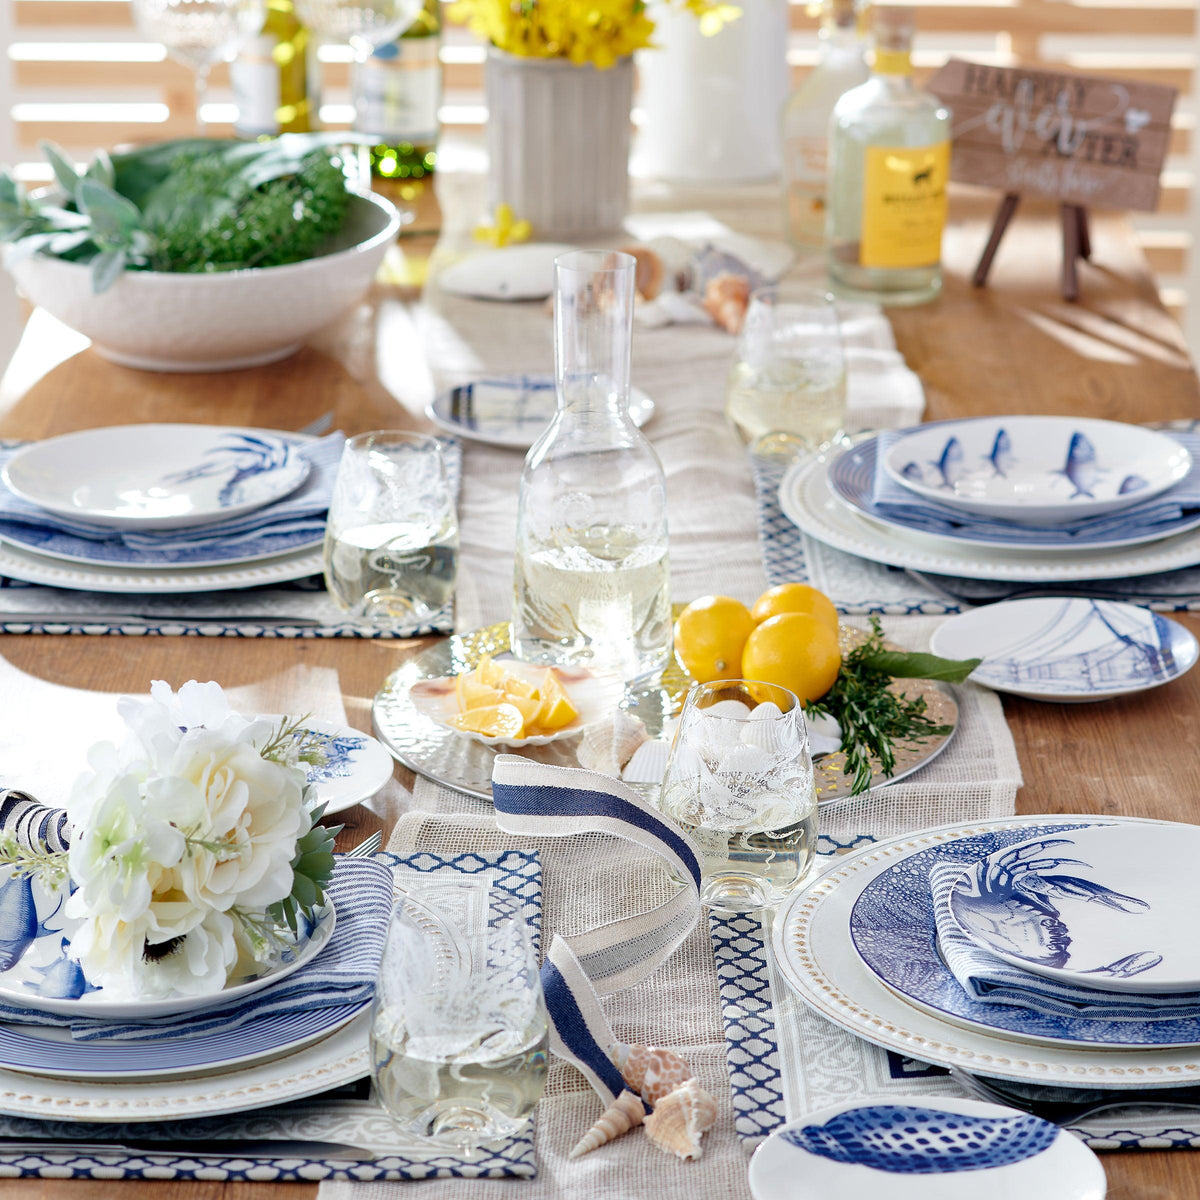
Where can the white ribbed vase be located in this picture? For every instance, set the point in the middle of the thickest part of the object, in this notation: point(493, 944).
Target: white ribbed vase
point(558, 143)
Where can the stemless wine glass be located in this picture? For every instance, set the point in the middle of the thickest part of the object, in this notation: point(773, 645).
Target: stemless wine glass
point(391, 537)
point(787, 386)
point(199, 33)
point(740, 782)
point(459, 1032)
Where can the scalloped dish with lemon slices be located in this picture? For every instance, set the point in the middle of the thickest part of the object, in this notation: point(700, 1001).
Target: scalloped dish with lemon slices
point(503, 702)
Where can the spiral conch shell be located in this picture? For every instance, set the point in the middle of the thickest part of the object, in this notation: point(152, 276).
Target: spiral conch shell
point(651, 1071)
point(680, 1119)
point(626, 1111)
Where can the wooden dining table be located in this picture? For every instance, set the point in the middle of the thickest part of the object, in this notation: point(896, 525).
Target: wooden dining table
point(1012, 347)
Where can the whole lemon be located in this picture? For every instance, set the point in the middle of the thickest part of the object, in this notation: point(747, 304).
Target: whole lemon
point(795, 598)
point(796, 651)
point(709, 636)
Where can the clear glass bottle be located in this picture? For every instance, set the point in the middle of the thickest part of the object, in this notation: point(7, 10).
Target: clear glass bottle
point(590, 578)
point(276, 77)
point(806, 122)
point(888, 171)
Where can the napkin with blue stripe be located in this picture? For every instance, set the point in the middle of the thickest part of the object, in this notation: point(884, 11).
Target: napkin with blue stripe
point(892, 499)
point(990, 979)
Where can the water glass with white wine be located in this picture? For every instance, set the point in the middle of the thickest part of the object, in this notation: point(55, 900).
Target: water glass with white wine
point(740, 782)
point(391, 539)
point(459, 1031)
point(787, 385)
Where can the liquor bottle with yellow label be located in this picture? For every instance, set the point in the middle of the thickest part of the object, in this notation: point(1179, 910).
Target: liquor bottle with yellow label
point(888, 172)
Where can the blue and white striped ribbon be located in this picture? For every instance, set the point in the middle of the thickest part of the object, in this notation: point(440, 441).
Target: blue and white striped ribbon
point(539, 800)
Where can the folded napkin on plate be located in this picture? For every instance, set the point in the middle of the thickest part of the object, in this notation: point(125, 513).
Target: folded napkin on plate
point(361, 891)
point(892, 499)
point(300, 511)
point(992, 980)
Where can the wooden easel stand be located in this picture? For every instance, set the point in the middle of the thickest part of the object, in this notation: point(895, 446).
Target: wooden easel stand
point(1077, 243)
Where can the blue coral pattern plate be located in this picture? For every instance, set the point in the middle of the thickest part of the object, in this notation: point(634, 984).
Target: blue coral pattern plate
point(1068, 650)
point(1106, 906)
point(1046, 470)
point(934, 1148)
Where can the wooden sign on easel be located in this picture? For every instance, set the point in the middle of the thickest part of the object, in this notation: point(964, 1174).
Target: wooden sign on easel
point(1081, 140)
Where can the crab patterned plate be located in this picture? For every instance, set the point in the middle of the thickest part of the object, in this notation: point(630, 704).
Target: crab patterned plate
point(938, 1148)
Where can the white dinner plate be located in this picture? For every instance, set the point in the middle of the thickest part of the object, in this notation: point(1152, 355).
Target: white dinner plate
point(169, 581)
point(807, 500)
point(1068, 650)
point(812, 946)
point(1108, 906)
point(510, 410)
point(156, 476)
point(1041, 470)
point(923, 1148)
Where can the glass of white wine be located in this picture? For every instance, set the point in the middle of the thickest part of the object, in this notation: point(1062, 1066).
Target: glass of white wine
point(787, 385)
point(459, 1031)
point(740, 782)
point(391, 538)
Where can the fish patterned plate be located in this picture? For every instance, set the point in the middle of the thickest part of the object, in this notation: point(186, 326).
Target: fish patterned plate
point(1107, 906)
point(938, 1148)
point(1068, 650)
point(156, 476)
point(1041, 470)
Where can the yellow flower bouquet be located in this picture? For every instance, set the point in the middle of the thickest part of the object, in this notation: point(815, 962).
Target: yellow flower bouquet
point(595, 32)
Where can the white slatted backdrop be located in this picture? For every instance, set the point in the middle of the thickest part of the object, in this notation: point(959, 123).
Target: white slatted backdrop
point(77, 73)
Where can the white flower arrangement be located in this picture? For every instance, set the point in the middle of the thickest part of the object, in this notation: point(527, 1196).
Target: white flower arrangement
point(195, 848)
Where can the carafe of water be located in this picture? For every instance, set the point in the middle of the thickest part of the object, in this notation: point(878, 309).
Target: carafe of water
point(590, 580)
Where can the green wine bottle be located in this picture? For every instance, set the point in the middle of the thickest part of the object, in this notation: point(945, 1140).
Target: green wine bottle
point(276, 79)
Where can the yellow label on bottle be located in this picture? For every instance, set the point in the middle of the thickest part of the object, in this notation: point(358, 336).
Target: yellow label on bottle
point(904, 205)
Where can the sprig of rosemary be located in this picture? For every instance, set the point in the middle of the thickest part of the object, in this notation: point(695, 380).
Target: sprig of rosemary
point(874, 718)
point(49, 865)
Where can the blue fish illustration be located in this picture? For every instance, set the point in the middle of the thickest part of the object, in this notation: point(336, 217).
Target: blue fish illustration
point(950, 465)
point(1131, 483)
point(63, 979)
point(1002, 456)
point(19, 924)
point(1080, 467)
point(904, 1139)
point(913, 472)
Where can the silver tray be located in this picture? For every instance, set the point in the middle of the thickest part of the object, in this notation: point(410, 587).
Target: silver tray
point(465, 765)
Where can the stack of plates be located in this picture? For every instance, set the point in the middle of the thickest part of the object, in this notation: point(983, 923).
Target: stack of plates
point(1021, 499)
point(1062, 902)
point(164, 482)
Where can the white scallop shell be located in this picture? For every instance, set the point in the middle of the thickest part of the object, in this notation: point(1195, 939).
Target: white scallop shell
point(608, 745)
point(524, 272)
point(649, 763)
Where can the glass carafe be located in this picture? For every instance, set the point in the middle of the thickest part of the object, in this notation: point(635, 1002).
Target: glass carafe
point(590, 580)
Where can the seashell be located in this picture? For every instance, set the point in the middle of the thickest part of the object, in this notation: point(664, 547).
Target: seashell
point(607, 746)
point(649, 762)
point(510, 273)
point(726, 298)
point(678, 260)
point(648, 271)
point(651, 1071)
point(626, 1111)
point(680, 1118)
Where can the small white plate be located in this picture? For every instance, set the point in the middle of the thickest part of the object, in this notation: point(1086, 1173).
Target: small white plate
point(924, 1148)
point(156, 476)
point(594, 694)
point(1107, 906)
point(510, 410)
point(1042, 470)
point(1068, 650)
point(356, 765)
point(524, 272)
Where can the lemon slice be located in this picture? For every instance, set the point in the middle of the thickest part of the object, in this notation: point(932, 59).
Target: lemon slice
point(493, 720)
point(557, 709)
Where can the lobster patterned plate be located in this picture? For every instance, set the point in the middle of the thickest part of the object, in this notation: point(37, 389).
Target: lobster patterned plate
point(1107, 906)
point(932, 1149)
point(156, 476)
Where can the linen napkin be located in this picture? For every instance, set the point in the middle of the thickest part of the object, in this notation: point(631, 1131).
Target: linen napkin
point(361, 891)
point(992, 980)
point(893, 499)
point(300, 512)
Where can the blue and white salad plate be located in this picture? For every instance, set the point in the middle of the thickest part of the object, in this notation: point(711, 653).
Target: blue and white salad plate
point(1105, 906)
point(932, 1148)
point(1040, 470)
point(156, 476)
point(510, 410)
point(1068, 649)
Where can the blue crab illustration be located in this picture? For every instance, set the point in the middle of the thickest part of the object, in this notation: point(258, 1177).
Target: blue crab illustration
point(245, 457)
point(1009, 902)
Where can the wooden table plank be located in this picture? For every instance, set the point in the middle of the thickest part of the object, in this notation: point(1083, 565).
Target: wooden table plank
point(1012, 347)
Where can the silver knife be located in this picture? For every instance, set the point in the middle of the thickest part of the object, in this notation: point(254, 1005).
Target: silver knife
point(89, 618)
point(194, 1148)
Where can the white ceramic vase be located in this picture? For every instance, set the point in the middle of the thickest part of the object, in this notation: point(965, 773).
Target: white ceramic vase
point(711, 106)
point(558, 143)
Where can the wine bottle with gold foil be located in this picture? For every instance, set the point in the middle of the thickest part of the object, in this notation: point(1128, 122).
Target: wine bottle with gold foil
point(276, 79)
point(888, 173)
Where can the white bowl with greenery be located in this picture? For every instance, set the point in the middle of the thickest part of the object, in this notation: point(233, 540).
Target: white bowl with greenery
point(90, 262)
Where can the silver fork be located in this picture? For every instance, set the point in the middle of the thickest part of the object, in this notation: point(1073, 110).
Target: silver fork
point(366, 847)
